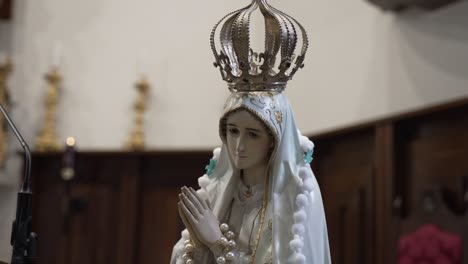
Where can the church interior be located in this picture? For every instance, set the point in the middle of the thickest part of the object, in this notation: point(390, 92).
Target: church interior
point(120, 103)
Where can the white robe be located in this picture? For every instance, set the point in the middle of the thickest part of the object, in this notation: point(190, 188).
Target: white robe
point(298, 231)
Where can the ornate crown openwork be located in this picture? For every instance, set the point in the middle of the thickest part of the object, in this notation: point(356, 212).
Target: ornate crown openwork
point(246, 70)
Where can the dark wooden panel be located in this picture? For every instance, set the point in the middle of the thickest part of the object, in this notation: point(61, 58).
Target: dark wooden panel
point(174, 169)
point(432, 154)
point(385, 194)
point(128, 221)
point(6, 7)
point(47, 210)
point(103, 231)
point(160, 226)
point(431, 158)
point(162, 177)
point(93, 237)
point(129, 205)
point(344, 168)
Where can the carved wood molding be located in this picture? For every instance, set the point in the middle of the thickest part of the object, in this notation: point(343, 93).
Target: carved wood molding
point(399, 5)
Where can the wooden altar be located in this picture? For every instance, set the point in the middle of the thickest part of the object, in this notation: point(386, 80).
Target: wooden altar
point(121, 208)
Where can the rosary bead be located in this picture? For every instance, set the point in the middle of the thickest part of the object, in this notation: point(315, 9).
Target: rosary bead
point(230, 256)
point(231, 244)
point(230, 235)
point(188, 248)
point(223, 241)
point(221, 260)
point(224, 227)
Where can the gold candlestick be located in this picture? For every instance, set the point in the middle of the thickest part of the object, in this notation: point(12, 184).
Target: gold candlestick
point(137, 136)
point(47, 139)
point(5, 70)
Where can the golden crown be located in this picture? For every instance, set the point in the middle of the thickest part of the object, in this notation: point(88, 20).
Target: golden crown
point(246, 70)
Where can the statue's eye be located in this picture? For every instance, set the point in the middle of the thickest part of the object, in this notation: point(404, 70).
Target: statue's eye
point(233, 131)
point(253, 135)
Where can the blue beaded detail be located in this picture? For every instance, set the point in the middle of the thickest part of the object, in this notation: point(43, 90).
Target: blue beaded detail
point(210, 167)
point(308, 157)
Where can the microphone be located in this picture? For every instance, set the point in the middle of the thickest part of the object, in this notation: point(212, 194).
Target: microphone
point(23, 240)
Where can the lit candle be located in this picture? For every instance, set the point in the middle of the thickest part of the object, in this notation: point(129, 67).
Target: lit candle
point(68, 170)
point(70, 153)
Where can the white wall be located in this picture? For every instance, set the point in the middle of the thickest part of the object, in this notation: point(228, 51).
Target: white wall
point(366, 64)
point(362, 64)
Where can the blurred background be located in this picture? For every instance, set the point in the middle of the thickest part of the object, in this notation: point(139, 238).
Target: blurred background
point(384, 96)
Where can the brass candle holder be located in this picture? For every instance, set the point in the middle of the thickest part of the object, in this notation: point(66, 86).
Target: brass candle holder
point(48, 139)
point(5, 70)
point(137, 136)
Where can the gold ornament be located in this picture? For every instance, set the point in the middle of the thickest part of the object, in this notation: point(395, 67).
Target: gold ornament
point(137, 136)
point(5, 70)
point(47, 139)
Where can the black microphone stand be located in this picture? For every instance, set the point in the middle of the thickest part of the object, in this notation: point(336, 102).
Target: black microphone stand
point(23, 240)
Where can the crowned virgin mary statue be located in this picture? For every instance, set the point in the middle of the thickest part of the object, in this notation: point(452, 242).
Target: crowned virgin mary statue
point(259, 201)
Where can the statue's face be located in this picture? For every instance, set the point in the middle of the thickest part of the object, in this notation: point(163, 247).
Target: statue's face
point(247, 139)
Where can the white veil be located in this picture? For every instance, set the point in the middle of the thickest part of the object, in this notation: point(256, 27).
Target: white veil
point(299, 226)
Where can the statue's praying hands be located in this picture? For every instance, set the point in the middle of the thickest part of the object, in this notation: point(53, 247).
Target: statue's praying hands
point(198, 218)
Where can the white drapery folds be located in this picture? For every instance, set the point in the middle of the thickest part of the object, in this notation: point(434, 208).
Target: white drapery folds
point(295, 206)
